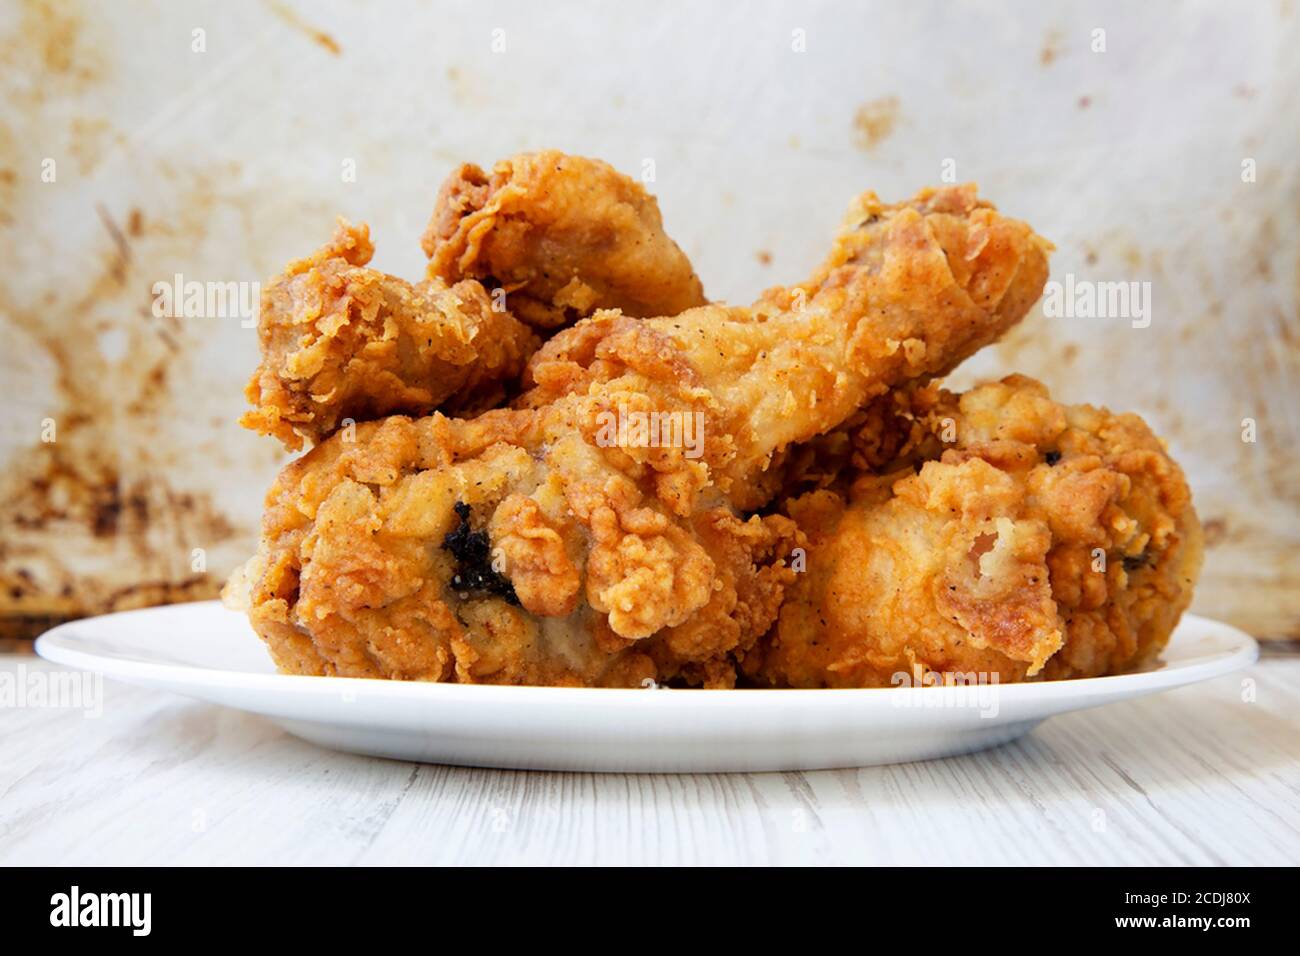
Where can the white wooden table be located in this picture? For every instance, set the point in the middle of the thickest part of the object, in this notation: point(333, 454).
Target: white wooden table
point(1193, 776)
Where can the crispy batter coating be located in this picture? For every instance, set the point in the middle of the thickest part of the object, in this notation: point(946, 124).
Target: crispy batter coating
point(341, 341)
point(626, 553)
point(355, 578)
point(1013, 536)
point(908, 292)
point(563, 235)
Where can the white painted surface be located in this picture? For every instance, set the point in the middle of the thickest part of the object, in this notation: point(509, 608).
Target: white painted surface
point(1192, 776)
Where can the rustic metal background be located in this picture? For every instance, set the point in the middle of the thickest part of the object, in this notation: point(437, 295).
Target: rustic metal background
point(758, 121)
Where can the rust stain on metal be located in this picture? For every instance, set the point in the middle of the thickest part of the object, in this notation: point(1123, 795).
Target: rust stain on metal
point(875, 121)
point(290, 16)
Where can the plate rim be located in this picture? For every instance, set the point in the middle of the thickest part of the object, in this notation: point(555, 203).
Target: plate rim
point(50, 646)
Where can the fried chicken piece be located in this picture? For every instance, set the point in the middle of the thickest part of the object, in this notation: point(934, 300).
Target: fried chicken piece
point(908, 292)
point(561, 235)
point(564, 236)
point(447, 549)
point(341, 341)
point(1014, 537)
point(616, 557)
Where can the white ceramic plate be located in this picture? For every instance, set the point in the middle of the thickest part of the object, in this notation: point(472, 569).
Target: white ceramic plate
point(205, 651)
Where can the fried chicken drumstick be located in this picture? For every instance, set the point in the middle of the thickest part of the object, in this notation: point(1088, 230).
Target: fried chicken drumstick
point(563, 235)
point(559, 236)
point(343, 341)
point(1009, 536)
point(547, 543)
point(908, 292)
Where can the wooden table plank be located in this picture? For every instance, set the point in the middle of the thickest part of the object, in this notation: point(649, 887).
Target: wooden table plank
point(1202, 775)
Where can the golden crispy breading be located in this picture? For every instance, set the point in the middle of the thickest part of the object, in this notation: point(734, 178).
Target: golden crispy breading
point(908, 292)
point(340, 341)
point(544, 576)
point(358, 574)
point(563, 235)
point(445, 549)
point(1044, 541)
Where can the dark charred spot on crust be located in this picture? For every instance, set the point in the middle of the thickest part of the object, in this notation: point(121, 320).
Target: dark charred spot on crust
point(473, 553)
point(1052, 457)
point(1133, 562)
